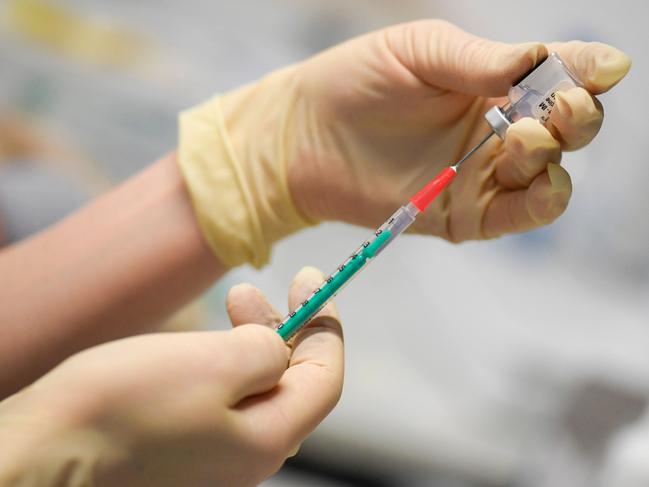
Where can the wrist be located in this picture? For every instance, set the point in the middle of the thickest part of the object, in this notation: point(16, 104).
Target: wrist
point(233, 154)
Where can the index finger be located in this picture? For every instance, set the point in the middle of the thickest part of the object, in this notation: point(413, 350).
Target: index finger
point(599, 66)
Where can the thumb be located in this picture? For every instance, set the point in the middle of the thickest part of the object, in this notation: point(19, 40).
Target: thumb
point(258, 358)
point(598, 65)
point(312, 385)
point(444, 56)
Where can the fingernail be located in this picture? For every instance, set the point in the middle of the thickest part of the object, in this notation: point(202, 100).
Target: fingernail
point(559, 179)
point(310, 270)
point(521, 58)
point(309, 273)
point(610, 66)
point(535, 50)
point(588, 118)
point(294, 451)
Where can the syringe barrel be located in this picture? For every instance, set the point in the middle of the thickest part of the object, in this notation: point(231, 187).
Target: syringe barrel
point(534, 95)
point(345, 272)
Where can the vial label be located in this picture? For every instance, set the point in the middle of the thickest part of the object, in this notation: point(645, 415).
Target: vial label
point(544, 108)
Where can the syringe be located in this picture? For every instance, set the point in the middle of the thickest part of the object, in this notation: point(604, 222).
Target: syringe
point(533, 96)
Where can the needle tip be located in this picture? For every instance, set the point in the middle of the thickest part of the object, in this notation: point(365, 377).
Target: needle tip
point(472, 151)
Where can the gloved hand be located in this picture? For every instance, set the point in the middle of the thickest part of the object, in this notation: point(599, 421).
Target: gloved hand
point(201, 408)
point(352, 133)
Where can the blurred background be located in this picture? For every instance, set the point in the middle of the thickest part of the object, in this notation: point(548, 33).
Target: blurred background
point(533, 373)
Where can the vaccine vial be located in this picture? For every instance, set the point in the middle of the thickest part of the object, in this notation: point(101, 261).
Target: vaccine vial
point(534, 95)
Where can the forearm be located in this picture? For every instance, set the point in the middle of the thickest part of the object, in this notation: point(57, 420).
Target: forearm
point(115, 268)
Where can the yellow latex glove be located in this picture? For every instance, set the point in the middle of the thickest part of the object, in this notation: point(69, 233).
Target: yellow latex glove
point(201, 408)
point(352, 133)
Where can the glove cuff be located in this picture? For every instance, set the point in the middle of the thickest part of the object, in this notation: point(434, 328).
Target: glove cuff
point(233, 156)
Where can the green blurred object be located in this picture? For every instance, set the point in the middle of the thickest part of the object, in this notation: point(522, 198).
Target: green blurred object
point(62, 30)
point(35, 96)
